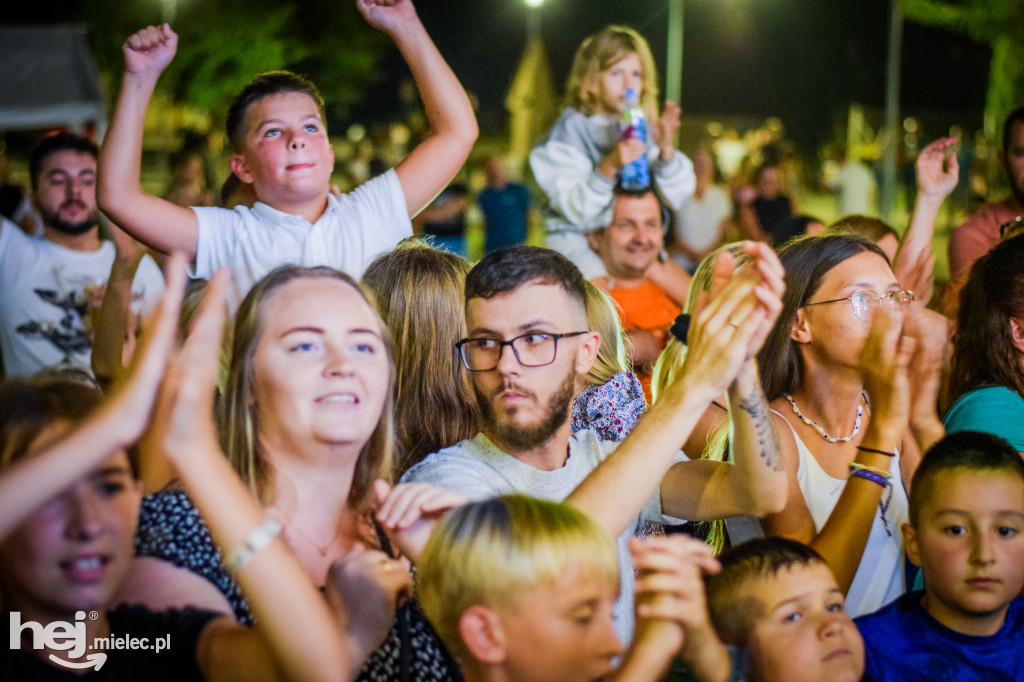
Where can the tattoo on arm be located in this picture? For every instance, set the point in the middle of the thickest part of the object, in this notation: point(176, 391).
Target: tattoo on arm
point(755, 405)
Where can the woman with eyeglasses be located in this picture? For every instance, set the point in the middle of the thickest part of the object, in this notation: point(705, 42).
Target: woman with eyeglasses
point(835, 371)
point(986, 382)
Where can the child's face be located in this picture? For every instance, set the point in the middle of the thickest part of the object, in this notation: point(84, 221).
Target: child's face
point(801, 630)
point(969, 541)
point(562, 632)
point(613, 82)
point(287, 156)
point(73, 552)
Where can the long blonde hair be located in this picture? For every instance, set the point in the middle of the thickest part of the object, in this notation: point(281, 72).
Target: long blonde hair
point(238, 417)
point(597, 54)
point(672, 357)
point(603, 317)
point(419, 292)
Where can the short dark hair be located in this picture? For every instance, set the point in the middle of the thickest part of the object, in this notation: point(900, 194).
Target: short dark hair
point(971, 450)
point(509, 268)
point(666, 213)
point(264, 85)
point(1014, 117)
point(866, 227)
point(751, 560)
point(59, 142)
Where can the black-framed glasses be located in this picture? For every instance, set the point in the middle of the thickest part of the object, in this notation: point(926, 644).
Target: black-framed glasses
point(534, 349)
point(863, 300)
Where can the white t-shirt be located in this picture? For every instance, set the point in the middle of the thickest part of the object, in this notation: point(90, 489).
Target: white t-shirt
point(479, 470)
point(856, 185)
point(698, 222)
point(44, 310)
point(352, 231)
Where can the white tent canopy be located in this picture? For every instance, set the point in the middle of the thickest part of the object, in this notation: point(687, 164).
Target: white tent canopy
point(49, 79)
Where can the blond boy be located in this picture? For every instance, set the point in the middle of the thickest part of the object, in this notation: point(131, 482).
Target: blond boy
point(521, 588)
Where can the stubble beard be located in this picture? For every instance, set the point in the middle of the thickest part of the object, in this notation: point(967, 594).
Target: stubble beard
point(509, 434)
point(54, 221)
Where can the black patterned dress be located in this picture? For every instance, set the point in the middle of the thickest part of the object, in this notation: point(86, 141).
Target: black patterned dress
point(170, 528)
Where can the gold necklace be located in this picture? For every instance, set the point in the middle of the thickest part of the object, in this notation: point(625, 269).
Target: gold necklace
point(321, 549)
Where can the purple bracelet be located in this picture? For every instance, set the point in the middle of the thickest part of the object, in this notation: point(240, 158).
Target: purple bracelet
point(871, 476)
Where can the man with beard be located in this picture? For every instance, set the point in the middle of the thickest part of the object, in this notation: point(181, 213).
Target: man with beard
point(628, 246)
point(528, 350)
point(48, 286)
point(980, 232)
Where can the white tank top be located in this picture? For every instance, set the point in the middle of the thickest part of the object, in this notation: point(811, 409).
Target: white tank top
point(880, 576)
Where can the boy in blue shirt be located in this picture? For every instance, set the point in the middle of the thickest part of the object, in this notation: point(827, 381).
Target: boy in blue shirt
point(276, 126)
point(966, 532)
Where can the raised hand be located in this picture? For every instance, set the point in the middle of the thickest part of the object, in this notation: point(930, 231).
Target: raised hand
point(149, 51)
point(668, 124)
point(387, 15)
point(409, 511)
point(671, 606)
point(937, 174)
point(720, 336)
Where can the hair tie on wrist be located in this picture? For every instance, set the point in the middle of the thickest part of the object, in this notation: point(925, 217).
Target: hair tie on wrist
point(681, 327)
point(877, 452)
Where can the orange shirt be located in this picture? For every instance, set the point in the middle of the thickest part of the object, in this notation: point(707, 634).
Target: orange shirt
point(646, 307)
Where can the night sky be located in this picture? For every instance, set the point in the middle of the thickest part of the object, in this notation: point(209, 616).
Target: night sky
point(802, 60)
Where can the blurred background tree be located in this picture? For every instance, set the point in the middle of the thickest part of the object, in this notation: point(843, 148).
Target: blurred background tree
point(996, 23)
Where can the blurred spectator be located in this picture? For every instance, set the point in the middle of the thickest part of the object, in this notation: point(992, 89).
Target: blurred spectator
point(856, 185)
point(444, 220)
point(505, 205)
point(699, 226)
point(764, 209)
point(980, 232)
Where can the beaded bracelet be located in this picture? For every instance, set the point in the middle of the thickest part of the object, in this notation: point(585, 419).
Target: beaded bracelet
point(259, 538)
point(857, 466)
point(877, 452)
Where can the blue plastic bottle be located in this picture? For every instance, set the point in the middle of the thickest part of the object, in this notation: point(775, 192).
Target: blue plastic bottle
point(636, 175)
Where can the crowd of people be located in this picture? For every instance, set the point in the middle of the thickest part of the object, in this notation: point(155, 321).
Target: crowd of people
point(286, 439)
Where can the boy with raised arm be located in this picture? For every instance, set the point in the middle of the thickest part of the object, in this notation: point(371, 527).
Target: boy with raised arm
point(276, 127)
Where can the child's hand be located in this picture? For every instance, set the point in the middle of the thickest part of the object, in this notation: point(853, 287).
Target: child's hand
point(936, 175)
point(411, 510)
point(148, 52)
point(671, 606)
point(369, 586)
point(623, 153)
point(668, 124)
point(387, 15)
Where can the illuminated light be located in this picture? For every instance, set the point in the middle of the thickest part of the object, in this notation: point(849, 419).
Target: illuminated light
point(534, 3)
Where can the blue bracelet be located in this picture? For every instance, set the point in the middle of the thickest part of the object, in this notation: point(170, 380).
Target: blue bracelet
point(871, 476)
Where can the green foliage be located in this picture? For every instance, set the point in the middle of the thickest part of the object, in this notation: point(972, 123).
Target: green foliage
point(224, 43)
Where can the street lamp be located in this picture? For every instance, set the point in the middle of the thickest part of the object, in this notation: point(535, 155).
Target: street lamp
point(532, 19)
